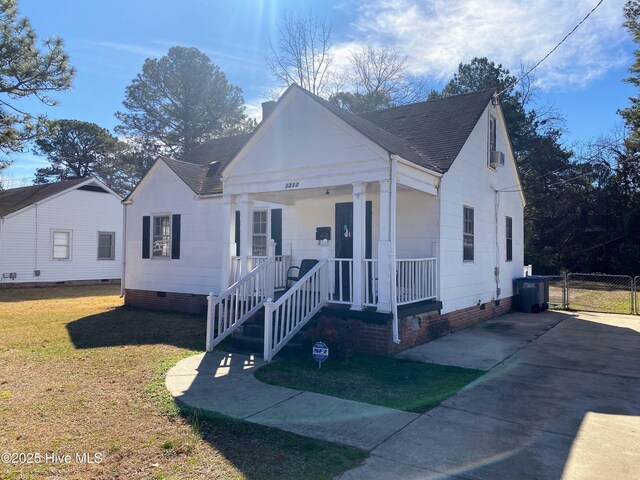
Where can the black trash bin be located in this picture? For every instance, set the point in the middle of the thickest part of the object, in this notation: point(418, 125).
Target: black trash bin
point(531, 294)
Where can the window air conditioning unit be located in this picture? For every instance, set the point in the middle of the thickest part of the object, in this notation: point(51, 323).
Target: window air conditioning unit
point(497, 159)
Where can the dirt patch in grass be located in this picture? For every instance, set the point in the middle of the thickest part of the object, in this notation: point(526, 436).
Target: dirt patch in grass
point(81, 374)
point(390, 382)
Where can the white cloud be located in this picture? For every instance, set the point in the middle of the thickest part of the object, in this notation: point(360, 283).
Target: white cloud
point(131, 48)
point(253, 109)
point(437, 35)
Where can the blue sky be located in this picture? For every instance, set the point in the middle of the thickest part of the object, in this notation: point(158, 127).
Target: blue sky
point(109, 40)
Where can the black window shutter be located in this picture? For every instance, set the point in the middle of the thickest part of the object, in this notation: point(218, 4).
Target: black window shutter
point(276, 229)
point(237, 233)
point(175, 236)
point(146, 232)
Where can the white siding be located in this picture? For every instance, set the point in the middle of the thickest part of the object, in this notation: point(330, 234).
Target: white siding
point(25, 244)
point(198, 268)
point(417, 224)
point(469, 182)
point(299, 224)
point(304, 144)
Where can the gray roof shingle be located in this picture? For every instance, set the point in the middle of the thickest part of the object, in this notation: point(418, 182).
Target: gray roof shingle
point(16, 199)
point(200, 170)
point(430, 134)
point(436, 129)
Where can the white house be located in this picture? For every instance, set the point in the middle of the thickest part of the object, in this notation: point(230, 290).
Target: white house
point(65, 232)
point(414, 213)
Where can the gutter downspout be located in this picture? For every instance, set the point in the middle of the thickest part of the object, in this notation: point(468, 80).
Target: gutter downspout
point(392, 250)
point(124, 249)
point(496, 270)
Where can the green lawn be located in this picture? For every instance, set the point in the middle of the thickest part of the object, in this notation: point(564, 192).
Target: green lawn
point(400, 384)
point(80, 373)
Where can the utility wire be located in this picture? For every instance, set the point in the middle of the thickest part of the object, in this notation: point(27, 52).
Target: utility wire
point(552, 50)
point(562, 182)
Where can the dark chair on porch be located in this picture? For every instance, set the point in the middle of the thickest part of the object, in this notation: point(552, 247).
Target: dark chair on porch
point(305, 266)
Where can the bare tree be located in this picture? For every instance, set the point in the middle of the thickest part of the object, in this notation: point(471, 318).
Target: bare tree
point(383, 71)
point(8, 181)
point(378, 78)
point(303, 54)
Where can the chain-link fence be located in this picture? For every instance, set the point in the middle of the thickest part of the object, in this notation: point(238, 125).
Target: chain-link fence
point(557, 290)
point(595, 292)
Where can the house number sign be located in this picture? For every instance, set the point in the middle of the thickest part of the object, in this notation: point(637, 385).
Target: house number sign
point(292, 185)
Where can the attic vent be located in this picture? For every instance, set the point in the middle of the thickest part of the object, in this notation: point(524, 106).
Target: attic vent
point(92, 188)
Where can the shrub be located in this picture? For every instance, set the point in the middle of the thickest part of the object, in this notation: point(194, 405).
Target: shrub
point(341, 336)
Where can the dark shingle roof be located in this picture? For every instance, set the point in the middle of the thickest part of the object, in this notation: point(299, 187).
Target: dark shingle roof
point(189, 173)
point(17, 198)
point(200, 170)
point(221, 150)
point(436, 129)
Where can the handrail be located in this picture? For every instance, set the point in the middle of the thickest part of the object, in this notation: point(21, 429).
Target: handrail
point(239, 302)
point(282, 264)
point(286, 316)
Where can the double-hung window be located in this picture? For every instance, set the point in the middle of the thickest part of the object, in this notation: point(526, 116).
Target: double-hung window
point(259, 244)
point(161, 236)
point(467, 234)
point(61, 244)
point(509, 238)
point(106, 245)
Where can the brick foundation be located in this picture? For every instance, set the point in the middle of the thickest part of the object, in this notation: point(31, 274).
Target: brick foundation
point(169, 301)
point(377, 338)
point(67, 283)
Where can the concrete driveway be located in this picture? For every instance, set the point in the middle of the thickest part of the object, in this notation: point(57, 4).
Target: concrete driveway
point(564, 403)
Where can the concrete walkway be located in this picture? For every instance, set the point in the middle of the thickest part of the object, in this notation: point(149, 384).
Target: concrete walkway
point(561, 400)
point(224, 382)
point(486, 345)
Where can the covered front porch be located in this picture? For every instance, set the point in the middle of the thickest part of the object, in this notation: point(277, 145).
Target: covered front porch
point(352, 229)
point(350, 232)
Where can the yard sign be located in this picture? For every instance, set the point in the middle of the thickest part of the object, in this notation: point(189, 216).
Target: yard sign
point(320, 353)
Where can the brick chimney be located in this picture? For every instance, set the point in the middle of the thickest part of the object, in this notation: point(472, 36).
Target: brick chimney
point(267, 108)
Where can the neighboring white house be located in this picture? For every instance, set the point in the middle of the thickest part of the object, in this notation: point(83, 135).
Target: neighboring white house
point(69, 231)
point(415, 214)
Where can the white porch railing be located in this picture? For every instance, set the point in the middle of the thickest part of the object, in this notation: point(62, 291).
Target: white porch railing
point(286, 316)
point(416, 280)
point(282, 264)
point(370, 282)
point(340, 280)
point(238, 303)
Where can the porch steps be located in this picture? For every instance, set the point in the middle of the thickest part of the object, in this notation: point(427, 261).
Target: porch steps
point(249, 338)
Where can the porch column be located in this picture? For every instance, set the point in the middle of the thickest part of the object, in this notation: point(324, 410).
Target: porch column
point(228, 240)
point(246, 222)
point(359, 202)
point(384, 248)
